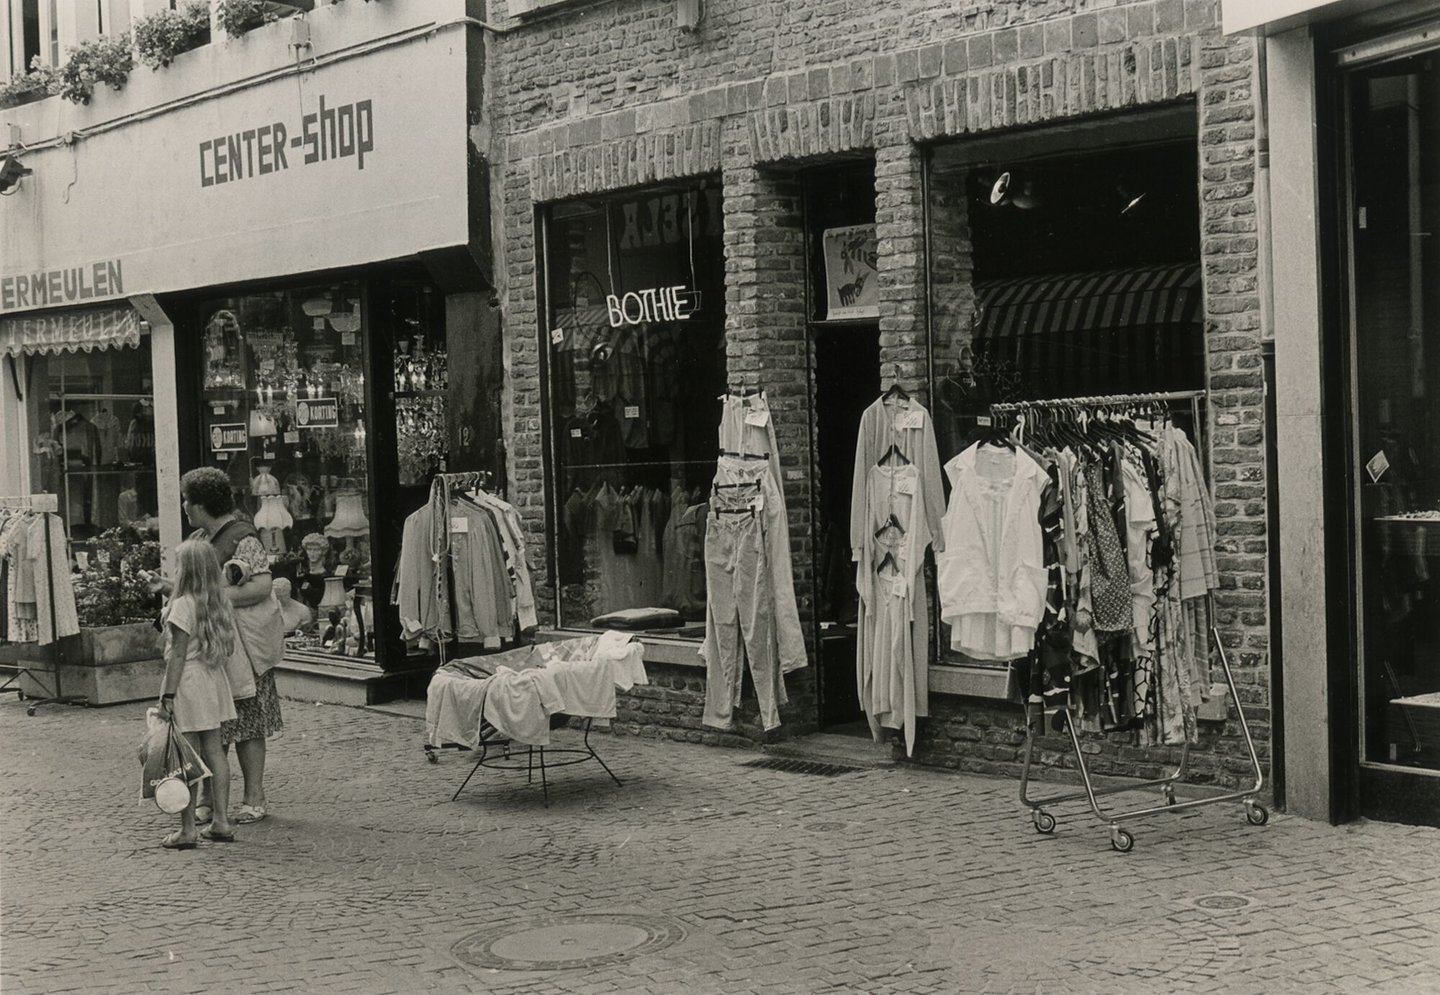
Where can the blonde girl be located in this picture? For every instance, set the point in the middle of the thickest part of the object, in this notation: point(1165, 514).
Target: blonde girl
point(199, 638)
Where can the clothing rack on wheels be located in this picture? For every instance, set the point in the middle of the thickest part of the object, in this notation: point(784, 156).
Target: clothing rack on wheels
point(442, 489)
point(46, 505)
point(1121, 840)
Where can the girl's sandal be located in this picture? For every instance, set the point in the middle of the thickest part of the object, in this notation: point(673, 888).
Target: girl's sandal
point(177, 841)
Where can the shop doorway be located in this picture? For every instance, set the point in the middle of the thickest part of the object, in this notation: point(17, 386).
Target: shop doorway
point(1391, 177)
point(845, 365)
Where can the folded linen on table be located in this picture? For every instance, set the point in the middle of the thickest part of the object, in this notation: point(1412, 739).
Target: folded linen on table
point(519, 703)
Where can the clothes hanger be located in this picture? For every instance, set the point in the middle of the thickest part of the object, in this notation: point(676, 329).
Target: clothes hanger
point(895, 391)
point(888, 559)
point(892, 523)
point(895, 451)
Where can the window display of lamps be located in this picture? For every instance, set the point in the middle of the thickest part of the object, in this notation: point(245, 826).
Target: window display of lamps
point(333, 605)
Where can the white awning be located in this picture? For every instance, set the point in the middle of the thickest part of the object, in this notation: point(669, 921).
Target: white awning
point(83, 330)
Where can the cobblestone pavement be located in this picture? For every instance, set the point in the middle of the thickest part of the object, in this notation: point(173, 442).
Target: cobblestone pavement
point(724, 878)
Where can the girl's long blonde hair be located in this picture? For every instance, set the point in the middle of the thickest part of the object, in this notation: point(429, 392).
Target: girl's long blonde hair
point(197, 573)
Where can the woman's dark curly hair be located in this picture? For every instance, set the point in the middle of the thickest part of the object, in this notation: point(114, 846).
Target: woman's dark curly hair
point(209, 488)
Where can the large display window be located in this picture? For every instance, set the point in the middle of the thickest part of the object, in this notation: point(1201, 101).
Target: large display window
point(92, 442)
point(284, 415)
point(1065, 265)
point(634, 335)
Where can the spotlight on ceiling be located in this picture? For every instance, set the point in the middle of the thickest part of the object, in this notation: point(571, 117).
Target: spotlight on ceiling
point(1007, 190)
point(11, 171)
point(1000, 192)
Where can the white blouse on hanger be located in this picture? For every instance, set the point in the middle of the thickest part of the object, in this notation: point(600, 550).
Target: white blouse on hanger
point(991, 573)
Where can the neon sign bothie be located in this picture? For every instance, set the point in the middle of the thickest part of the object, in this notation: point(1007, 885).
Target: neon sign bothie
point(640, 307)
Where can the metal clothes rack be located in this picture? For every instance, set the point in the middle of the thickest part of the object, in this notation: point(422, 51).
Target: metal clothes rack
point(1121, 839)
point(41, 504)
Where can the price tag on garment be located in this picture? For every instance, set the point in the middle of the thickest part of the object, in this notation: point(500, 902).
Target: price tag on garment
point(576, 433)
point(557, 336)
point(911, 419)
point(632, 411)
point(757, 418)
point(1377, 465)
point(459, 523)
point(905, 485)
point(292, 438)
point(983, 421)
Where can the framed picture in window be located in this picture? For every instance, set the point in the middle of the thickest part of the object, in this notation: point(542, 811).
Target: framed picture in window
point(851, 283)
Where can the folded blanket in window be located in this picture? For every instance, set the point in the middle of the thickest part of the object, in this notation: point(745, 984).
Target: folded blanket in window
point(638, 618)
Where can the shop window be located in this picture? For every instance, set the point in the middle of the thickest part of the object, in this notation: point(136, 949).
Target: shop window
point(422, 380)
point(636, 358)
point(284, 414)
point(92, 420)
point(1066, 275)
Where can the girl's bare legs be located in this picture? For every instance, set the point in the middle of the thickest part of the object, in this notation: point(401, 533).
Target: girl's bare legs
point(215, 757)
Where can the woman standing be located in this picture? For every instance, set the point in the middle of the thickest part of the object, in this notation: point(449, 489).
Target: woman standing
point(195, 694)
point(209, 504)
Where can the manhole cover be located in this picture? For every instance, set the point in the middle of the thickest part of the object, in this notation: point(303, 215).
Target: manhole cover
point(802, 767)
point(825, 827)
point(561, 943)
point(1221, 903)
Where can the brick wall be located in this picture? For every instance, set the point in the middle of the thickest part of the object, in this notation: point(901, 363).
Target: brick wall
point(610, 95)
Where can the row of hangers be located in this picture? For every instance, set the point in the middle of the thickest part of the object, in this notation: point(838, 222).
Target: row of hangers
point(1089, 427)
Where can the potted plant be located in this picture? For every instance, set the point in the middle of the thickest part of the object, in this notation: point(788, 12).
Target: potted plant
point(118, 655)
point(25, 88)
point(102, 60)
point(236, 17)
point(166, 33)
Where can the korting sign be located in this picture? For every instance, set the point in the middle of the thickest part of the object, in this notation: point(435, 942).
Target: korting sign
point(317, 412)
point(229, 437)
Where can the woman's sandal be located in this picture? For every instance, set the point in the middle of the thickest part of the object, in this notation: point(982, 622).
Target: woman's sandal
point(176, 841)
point(249, 814)
point(213, 835)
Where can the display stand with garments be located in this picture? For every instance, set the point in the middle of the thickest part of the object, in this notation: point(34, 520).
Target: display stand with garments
point(1102, 578)
point(37, 596)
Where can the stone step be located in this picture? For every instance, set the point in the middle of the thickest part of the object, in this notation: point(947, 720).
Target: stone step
point(832, 748)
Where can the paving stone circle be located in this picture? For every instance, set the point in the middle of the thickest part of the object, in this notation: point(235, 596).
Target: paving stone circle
point(563, 943)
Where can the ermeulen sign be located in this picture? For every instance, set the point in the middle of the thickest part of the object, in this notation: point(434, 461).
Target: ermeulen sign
point(56, 287)
point(317, 412)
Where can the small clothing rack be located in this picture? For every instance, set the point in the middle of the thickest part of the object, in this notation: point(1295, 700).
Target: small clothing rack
point(504, 706)
point(46, 506)
point(1166, 639)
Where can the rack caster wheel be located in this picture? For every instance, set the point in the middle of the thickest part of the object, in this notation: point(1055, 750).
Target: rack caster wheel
point(30, 710)
point(1121, 841)
point(19, 695)
point(1044, 822)
point(430, 756)
point(1256, 814)
point(1169, 793)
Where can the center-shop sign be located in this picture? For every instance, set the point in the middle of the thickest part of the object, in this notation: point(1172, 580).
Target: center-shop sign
point(344, 131)
point(229, 437)
point(317, 412)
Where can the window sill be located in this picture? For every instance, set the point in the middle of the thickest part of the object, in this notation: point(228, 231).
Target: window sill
point(973, 681)
point(658, 649)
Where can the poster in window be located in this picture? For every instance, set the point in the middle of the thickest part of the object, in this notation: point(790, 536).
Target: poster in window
point(851, 285)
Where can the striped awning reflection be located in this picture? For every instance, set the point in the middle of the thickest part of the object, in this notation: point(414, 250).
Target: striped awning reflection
point(1138, 297)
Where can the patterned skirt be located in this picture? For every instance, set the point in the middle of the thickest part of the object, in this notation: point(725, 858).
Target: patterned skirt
point(257, 717)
